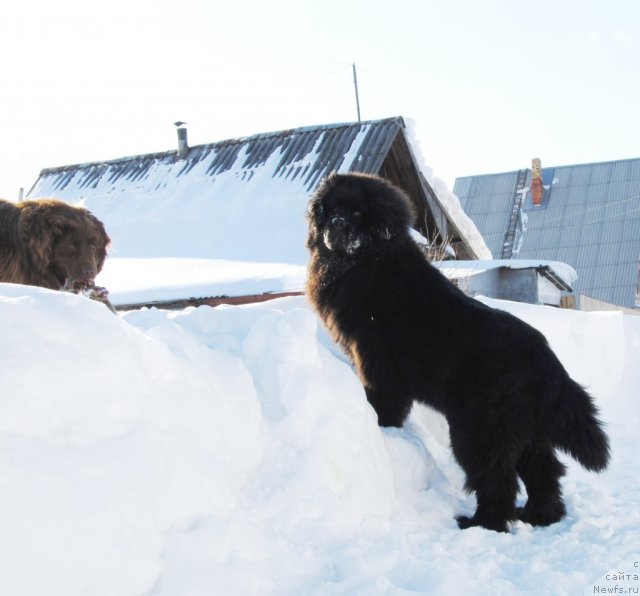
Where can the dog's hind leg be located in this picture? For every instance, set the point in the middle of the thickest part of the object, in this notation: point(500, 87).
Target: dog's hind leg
point(496, 493)
point(541, 471)
point(491, 473)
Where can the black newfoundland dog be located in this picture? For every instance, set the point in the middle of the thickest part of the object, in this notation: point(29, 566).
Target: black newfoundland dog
point(412, 335)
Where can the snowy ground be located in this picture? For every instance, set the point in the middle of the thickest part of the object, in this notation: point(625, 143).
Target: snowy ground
point(232, 451)
point(145, 281)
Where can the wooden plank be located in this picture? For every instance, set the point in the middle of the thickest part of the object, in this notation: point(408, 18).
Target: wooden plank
point(212, 301)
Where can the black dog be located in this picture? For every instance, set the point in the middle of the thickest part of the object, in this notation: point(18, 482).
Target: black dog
point(412, 335)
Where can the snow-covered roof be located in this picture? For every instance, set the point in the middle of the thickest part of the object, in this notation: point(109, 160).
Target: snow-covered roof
point(560, 274)
point(245, 199)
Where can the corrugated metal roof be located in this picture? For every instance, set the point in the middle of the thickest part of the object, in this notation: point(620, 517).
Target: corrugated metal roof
point(589, 218)
point(309, 152)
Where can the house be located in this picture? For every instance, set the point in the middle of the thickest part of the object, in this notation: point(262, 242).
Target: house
point(585, 215)
point(245, 199)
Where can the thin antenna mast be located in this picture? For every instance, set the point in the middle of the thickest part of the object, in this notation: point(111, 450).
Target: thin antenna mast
point(355, 84)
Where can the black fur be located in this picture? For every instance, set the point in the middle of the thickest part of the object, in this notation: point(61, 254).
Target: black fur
point(412, 335)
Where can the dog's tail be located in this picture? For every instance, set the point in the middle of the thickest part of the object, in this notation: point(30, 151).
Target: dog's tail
point(576, 428)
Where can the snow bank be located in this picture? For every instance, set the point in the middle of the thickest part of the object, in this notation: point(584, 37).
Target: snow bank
point(142, 281)
point(232, 451)
point(110, 445)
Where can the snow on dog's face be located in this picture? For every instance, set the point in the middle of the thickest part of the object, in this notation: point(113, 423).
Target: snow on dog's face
point(351, 212)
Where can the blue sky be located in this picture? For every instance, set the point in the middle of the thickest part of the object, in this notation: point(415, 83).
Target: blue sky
point(489, 84)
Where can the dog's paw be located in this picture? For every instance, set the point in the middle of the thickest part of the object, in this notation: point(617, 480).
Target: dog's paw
point(541, 517)
point(465, 522)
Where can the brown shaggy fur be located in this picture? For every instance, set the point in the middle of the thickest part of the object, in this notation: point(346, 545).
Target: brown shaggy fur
point(50, 243)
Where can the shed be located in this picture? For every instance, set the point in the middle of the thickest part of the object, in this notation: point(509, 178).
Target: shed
point(533, 282)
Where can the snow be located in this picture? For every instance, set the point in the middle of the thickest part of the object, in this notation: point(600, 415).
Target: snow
point(166, 213)
point(456, 269)
point(449, 202)
point(144, 281)
point(232, 451)
point(251, 211)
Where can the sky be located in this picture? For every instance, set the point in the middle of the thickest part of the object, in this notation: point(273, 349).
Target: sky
point(489, 85)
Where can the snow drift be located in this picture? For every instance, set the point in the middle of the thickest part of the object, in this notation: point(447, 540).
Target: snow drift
point(232, 451)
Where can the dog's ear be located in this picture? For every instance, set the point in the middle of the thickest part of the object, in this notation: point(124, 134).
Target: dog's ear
point(315, 215)
point(103, 239)
point(396, 206)
point(40, 225)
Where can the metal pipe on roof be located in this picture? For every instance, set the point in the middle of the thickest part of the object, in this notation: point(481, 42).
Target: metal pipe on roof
point(183, 145)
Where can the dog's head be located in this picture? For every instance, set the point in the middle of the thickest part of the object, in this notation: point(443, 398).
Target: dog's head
point(351, 212)
point(69, 242)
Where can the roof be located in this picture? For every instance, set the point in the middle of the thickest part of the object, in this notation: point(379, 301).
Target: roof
point(589, 218)
point(309, 153)
point(245, 198)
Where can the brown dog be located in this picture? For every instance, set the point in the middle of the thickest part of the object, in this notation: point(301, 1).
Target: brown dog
point(51, 244)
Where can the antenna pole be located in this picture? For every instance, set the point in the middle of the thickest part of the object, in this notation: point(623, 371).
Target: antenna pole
point(355, 84)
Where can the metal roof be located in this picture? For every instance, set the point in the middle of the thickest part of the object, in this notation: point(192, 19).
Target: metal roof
point(589, 218)
point(329, 145)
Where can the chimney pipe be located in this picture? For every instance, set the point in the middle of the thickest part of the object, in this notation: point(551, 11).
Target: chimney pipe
point(183, 146)
point(537, 190)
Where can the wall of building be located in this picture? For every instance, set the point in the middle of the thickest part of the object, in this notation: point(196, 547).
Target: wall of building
point(520, 285)
point(485, 283)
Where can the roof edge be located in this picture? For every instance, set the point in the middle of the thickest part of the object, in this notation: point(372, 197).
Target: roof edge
point(574, 165)
point(231, 141)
